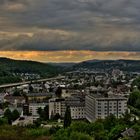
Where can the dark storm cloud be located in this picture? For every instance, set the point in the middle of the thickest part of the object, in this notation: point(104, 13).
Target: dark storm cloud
point(12, 1)
point(99, 25)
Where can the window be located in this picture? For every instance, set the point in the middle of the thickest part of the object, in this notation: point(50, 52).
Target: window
point(99, 103)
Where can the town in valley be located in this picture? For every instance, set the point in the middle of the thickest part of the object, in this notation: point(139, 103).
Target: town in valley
point(87, 94)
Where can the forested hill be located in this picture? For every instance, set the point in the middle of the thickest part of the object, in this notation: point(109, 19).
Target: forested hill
point(8, 67)
point(24, 66)
point(126, 65)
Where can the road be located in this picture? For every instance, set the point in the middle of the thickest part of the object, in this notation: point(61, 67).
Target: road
point(28, 82)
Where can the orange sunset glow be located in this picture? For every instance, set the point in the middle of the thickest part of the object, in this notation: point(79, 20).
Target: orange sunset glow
point(68, 56)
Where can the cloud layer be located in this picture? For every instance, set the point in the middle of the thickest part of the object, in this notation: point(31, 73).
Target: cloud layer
point(64, 25)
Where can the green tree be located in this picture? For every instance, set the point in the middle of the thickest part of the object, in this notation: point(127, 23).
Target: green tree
point(136, 82)
point(126, 118)
point(16, 92)
point(137, 104)
point(37, 122)
point(134, 99)
point(4, 105)
point(31, 89)
point(98, 127)
point(58, 92)
point(99, 132)
point(8, 115)
point(114, 133)
point(79, 136)
point(56, 116)
point(44, 113)
point(137, 136)
point(110, 122)
point(54, 129)
point(15, 115)
point(67, 117)
point(82, 127)
point(39, 111)
point(3, 121)
point(134, 96)
point(100, 136)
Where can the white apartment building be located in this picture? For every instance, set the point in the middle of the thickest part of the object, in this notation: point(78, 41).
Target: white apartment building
point(99, 106)
point(57, 106)
point(77, 112)
point(33, 108)
point(77, 106)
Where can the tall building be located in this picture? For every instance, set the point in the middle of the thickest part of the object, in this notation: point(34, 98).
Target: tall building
point(77, 107)
point(57, 106)
point(77, 111)
point(100, 106)
point(33, 108)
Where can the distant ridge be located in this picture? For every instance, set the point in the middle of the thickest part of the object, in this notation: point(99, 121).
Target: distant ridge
point(70, 64)
point(10, 65)
point(125, 65)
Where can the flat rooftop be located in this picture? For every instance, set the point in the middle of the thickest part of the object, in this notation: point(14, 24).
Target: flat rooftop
point(105, 96)
point(40, 94)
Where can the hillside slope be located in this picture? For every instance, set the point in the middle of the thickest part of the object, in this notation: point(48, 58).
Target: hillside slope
point(9, 67)
point(126, 65)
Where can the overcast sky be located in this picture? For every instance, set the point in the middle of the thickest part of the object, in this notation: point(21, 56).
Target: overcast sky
point(70, 30)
